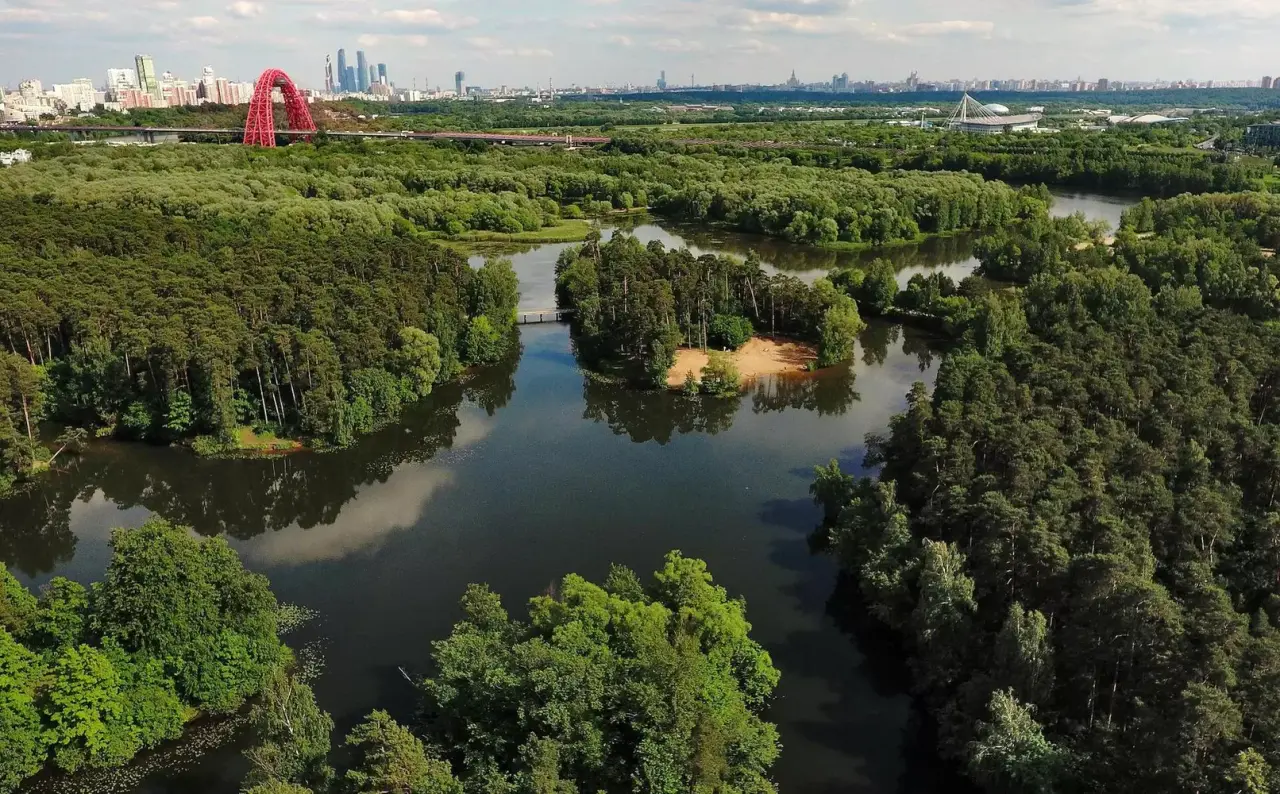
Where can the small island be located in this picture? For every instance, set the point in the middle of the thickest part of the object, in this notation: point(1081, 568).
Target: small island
point(658, 317)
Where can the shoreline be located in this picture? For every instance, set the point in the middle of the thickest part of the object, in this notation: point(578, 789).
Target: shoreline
point(759, 357)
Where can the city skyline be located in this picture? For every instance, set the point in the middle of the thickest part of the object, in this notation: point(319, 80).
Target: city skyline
point(615, 42)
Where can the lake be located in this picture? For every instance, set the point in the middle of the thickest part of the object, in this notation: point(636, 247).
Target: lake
point(525, 472)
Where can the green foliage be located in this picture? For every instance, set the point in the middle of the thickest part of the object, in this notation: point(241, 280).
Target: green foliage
point(484, 342)
point(634, 304)
point(720, 377)
point(191, 605)
point(1011, 755)
point(1075, 533)
point(165, 325)
point(61, 615)
point(293, 735)
point(838, 332)
point(605, 689)
point(17, 605)
point(729, 331)
point(831, 489)
point(388, 758)
point(85, 710)
point(22, 741)
point(90, 678)
point(418, 360)
point(876, 289)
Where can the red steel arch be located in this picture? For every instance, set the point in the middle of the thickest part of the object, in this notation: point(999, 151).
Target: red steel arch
point(260, 126)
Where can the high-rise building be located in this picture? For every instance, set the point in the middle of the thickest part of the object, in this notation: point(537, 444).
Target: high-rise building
point(662, 80)
point(350, 80)
point(382, 74)
point(342, 71)
point(373, 77)
point(147, 75)
point(1266, 82)
point(362, 72)
point(458, 77)
point(328, 75)
point(120, 79)
point(1104, 84)
point(78, 94)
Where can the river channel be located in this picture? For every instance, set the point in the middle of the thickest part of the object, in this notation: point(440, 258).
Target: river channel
point(527, 471)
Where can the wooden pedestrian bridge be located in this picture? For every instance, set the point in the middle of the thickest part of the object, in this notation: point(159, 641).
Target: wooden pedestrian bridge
point(527, 316)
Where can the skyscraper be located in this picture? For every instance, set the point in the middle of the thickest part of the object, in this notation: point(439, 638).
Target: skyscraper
point(349, 79)
point(382, 74)
point(342, 71)
point(662, 80)
point(146, 69)
point(362, 72)
point(1104, 84)
point(328, 75)
point(1266, 82)
point(458, 77)
point(373, 76)
point(120, 79)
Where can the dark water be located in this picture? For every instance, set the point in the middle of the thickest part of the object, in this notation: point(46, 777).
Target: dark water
point(521, 474)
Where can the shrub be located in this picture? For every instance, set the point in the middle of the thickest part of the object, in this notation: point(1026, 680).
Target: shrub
point(720, 377)
point(729, 331)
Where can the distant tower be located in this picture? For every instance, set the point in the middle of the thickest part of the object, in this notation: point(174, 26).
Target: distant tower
point(350, 79)
point(458, 77)
point(792, 81)
point(1266, 82)
point(328, 75)
point(373, 76)
point(342, 71)
point(146, 69)
point(662, 80)
point(382, 74)
point(362, 72)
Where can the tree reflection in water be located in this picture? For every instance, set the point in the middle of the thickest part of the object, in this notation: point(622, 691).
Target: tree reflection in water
point(238, 497)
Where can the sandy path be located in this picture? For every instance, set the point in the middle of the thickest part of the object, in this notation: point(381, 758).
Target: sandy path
point(761, 356)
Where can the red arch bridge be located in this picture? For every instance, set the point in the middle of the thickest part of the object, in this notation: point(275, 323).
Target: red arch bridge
point(260, 125)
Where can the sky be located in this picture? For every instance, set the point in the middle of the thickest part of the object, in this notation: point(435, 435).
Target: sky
point(615, 42)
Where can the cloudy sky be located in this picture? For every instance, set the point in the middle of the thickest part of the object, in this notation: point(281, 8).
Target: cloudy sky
point(603, 42)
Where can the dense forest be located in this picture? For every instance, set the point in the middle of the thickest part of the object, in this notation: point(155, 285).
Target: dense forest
point(1154, 161)
point(624, 686)
point(634, 305)
point(430, 188)
point(88, 678)
point(159, 327)
point(1075, 534)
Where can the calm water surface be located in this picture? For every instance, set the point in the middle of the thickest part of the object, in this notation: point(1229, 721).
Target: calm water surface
point(526, 472)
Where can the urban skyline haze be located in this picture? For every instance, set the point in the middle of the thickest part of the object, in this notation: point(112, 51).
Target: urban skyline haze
point(614, 42)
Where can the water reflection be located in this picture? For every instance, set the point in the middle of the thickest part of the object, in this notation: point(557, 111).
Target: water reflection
point(244, 498)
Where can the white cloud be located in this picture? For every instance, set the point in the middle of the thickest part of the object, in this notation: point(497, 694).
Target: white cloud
point(204, 23)
point(753, 47)
point(676, 45)
point(947, 28)
point(244, 9)
point(621, 41)
point(491, 46)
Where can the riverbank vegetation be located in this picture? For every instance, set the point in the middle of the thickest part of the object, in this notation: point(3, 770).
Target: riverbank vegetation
point(88, 678)
point(156, 327)
point(624, 686)
point(634, 306)
point(1075, 534)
